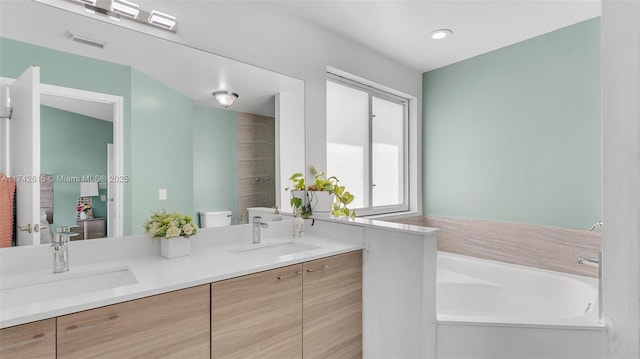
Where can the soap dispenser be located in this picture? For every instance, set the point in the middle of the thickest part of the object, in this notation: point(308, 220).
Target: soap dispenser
point(298, 225)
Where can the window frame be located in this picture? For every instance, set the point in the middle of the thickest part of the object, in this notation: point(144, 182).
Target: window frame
point(372, 92)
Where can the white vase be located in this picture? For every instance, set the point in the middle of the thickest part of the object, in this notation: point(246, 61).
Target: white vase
point(322, 201)
point(175, 247)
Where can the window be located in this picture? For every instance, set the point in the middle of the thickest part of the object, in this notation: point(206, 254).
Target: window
point(367, 145)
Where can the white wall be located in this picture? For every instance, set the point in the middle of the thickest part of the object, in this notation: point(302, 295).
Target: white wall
point(621, 181)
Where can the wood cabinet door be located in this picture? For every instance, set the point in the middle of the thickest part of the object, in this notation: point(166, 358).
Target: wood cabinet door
point(170, 325)
point(332, 307)
point(29, 341)
point(258, 315)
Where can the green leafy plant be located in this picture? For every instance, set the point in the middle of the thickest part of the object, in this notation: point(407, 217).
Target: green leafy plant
point(168, 225)
point(343, 198)
point(298, 182)
point(322, 182)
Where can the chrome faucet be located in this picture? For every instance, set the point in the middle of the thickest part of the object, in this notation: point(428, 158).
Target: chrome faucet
point(596, 227)
point(593, 261)
point(60, 248)
point(257, 224)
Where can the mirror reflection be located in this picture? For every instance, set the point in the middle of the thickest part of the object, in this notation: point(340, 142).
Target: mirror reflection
point(133, 127)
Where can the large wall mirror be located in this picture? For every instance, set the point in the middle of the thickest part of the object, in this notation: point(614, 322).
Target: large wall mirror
point(132, 127)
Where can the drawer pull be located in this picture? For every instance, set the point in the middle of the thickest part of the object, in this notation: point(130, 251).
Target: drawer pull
point(283, 277)
point(324, 266)
point(75, 329)
point(36, 339)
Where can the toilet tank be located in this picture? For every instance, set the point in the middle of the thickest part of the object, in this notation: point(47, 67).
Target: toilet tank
point(215, 218)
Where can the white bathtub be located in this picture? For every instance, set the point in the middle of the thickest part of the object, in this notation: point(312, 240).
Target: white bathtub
point(489, 309)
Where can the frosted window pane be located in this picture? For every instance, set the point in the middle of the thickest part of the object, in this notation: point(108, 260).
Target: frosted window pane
point(347, 163)
point(348, 139)
point(388, 162)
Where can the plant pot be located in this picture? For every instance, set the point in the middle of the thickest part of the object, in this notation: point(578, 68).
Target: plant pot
point(322, 201)
point(175, 247)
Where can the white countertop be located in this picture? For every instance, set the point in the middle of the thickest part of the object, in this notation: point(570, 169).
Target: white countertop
point(156, 275)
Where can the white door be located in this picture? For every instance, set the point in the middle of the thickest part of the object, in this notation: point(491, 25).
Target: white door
point(24, 154)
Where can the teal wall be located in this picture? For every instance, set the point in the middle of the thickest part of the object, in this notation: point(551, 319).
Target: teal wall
point(514, 135)
point(161, 158)
point(215, 154)
point(73, 145)
point(159, 129)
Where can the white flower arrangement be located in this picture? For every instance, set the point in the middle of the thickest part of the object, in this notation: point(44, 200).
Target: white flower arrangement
point(170, 225)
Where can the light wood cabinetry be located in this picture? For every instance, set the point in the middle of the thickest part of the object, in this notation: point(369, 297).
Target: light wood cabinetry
point(29, 341)
point(258, 315)
point(171, 325)
point(312, 310)
point(307, 310)
point(332, 307)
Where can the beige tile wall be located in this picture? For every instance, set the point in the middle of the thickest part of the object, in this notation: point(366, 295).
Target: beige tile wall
point(544, 247)
point(256, 158)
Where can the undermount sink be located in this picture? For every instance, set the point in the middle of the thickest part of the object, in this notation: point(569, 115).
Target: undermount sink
point(274, 249)
point(27, 288)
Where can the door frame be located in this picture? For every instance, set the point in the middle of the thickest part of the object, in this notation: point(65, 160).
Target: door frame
point(117, 103)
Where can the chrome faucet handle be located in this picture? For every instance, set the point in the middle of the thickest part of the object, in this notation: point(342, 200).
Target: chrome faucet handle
point(587, 260)
point(62, 237)
point(257, 221)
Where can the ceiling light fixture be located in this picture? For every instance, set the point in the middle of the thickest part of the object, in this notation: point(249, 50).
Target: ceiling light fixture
point(441, 34)
point(163, 20)
point(225, 98)
point(125, 7)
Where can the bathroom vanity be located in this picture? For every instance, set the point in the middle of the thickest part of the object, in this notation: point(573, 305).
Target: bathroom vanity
point(230, 298)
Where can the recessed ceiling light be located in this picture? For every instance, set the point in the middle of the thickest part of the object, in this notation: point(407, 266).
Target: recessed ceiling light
point(441, 34)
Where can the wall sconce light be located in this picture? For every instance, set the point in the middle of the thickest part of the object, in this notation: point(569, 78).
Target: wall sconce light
point(124, 7)
point(225, 98)
point(117, 9)
point(162, 20)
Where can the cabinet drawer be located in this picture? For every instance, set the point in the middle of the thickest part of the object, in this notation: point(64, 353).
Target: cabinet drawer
point(332, 307)
point(171, 325)
point(258, 315)
point(29, 341)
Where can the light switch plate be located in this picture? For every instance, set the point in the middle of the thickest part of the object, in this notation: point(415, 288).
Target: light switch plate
point(162, 194)
point(103, 197)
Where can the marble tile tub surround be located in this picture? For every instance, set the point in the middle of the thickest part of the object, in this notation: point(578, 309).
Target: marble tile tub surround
point(552, 248)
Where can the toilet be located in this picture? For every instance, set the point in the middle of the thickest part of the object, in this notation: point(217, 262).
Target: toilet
point(214, 219)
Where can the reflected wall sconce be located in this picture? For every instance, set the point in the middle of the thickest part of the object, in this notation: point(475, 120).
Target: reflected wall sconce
point(225, 98)
point(119, 9)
